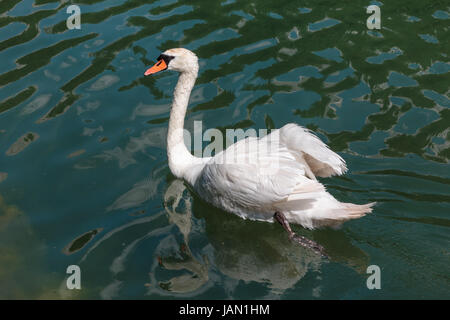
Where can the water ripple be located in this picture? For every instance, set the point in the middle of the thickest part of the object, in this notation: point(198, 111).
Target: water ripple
point(82, 134)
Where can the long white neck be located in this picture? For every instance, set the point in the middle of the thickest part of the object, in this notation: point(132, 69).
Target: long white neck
point(180, 159)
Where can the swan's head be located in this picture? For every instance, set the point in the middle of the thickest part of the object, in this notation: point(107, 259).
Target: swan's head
point(177, 59)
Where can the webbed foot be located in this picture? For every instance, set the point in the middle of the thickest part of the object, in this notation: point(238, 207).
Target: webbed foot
point(303, 241)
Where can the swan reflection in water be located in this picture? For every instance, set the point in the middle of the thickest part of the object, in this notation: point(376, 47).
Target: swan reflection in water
point(239, 252)
point(211, 247)
point(178, 206)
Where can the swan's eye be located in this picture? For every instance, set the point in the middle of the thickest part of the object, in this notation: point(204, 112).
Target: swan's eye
point(165, 57)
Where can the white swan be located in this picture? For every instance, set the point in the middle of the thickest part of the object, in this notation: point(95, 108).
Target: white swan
point(270, 178)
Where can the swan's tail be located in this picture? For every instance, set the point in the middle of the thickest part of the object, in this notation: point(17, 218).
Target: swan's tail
point(343, 212)
point(323, 211)
point(311, 206)
point(353, 211)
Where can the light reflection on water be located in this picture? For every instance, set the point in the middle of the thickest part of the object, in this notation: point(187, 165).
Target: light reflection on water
point(83, 170)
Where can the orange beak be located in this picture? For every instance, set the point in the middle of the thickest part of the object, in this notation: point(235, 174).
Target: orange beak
point(159, 66)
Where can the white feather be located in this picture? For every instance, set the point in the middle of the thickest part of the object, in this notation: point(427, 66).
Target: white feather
point(269, 176)
point(255, 177)
point(322, 161)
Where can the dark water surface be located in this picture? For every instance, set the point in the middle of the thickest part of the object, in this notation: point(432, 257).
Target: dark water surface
point(83, 169)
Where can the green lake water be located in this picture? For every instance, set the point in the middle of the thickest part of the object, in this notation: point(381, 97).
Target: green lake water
point(84, 178)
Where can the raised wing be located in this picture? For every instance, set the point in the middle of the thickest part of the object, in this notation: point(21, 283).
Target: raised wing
point(253, 175)
point(322, 161)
